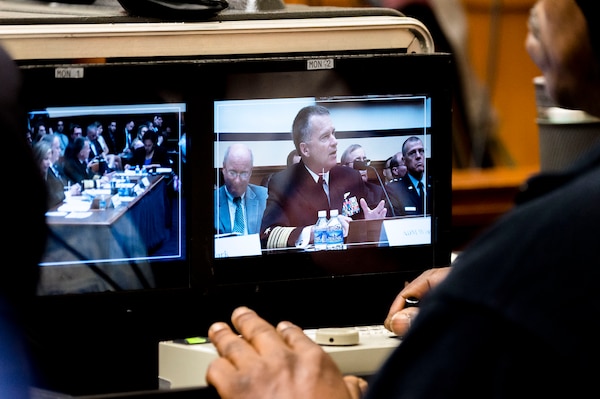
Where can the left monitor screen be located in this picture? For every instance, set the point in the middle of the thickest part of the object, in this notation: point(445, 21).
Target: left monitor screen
point(116, 208)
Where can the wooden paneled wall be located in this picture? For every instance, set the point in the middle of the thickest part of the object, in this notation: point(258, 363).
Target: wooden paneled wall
point(497, 30)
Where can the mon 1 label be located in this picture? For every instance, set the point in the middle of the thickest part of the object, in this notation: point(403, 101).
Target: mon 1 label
point(68, 73)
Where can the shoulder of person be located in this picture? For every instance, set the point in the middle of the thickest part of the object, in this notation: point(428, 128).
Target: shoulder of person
point(289, 174)
point(220, 191)
point(373, 186)
point(260, 191)
point(343, 172)
point(396, 185)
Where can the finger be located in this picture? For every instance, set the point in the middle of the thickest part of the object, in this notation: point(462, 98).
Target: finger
point(300, 344)
point(231, 346)
point(294, 336)
point(259, 333)
point(345, 225)
point(402, 321)
point(221, 370)
point(363, 205)
point(417, 289)
point(356, 386)
point(222, 337)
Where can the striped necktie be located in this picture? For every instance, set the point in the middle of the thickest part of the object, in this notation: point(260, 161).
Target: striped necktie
point(238, 221)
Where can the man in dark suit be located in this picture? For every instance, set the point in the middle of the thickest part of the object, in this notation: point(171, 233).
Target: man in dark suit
point(410, 195)
point(317, 182)
point(356, 153)
point(237, 169)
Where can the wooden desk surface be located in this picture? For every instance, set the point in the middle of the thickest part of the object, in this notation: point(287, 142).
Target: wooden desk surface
point(499, 177)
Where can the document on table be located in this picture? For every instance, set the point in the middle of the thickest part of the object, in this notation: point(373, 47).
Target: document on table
point(78, 215)
point(75, 206)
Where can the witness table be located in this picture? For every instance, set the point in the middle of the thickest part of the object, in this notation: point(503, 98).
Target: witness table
point(132, 230)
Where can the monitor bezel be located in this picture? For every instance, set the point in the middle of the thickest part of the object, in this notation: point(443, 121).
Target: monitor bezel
point(61, 324)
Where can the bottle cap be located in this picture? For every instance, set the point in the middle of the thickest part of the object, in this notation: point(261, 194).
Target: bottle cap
point(333, 213)
point(322, 214)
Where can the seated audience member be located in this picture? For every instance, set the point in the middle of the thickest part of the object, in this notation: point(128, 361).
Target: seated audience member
point(56, 179)
point(137, 143)
point(387, 170)
point(317, 182)
point(356, 153)
point(56, 167)
point(42, 155)
point(517, 315)
point(77, 165)
point(111, 138)
point(292, 157)
point(239, 195)
point(113, 161)
point(398, 167)
point(75, 130)
point(28, 138)
point(142, 129)
point(97, 157)
point(151, 155)
point(18, 283)
point(157, 126)
point(63, 139)
point(410, 194)
point(127, 139)
point(39, 131)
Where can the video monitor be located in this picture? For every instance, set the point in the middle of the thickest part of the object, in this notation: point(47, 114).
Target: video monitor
point(109, 234)
point(138, 257)
point(376, 101)
point(367, 110)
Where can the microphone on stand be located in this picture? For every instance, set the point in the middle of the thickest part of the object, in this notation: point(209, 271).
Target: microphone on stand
point(363, 165)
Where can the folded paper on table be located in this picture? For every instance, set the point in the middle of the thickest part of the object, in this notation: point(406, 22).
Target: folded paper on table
point(408, 231)
point(75, 206)
point(237, 245)
point(78, 215)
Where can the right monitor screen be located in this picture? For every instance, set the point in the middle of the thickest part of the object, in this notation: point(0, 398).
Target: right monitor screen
point(377, 107)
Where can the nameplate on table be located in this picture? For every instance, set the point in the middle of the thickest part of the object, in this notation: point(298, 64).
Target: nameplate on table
point(227, 246)
point(116, 201)
point(408, 231)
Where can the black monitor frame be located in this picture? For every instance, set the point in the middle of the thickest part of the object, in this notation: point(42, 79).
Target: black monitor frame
point(107, 341)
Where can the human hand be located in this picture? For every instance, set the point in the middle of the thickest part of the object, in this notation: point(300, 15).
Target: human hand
point(267, 362)
point(356, 385)
point(108, 175)
point(345, 221)
point(378, 212)
point(399, 316)
point(75, 189)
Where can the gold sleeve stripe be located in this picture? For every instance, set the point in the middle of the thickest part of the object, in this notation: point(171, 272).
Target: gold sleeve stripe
point(278, 237)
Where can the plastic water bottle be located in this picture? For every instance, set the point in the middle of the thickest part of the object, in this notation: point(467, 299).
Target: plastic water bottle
point(102, 203)
point(335, 232)
point(137, 169)
point(320, 232)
